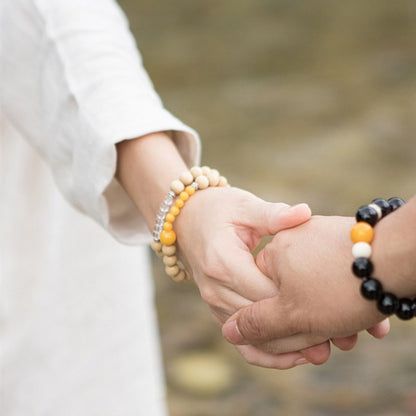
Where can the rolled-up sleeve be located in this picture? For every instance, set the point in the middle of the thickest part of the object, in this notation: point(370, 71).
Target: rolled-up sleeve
point(73, 83)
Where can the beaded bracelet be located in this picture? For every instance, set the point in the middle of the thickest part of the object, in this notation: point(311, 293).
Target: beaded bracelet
point(164, 237)
point(362, 235)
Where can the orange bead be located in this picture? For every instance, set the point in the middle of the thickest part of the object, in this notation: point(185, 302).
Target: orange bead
point(184, 196)
point(174, 211)
point(167, 237)
point(362, 232)
point(190, 190)
point(167, 226)
point(179, 203)
point(170, 218)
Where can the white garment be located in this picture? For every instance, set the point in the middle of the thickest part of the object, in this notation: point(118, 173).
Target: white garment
point(78, 333)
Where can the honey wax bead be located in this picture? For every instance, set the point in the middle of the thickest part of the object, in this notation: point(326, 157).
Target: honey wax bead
point(168, 237)
point(170, 217)
point(362, 231)
point(179, 203)
point(190, 190)
point(174, 210)
point(184, 196)
point(167, 226)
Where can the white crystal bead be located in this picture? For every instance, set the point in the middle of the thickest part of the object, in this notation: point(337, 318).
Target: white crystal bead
point(164, 208)
point(377, 209)
point(156, 236)
point(361, 249)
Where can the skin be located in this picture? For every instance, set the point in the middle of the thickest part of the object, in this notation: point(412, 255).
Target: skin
point(318, 295)
point(215, 244)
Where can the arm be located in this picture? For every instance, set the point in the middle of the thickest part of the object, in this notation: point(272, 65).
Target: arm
point(318, 294)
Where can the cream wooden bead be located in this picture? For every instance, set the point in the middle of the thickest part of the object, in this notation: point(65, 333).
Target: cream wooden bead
point(180, 277)
point(177, 186)
point(361, 249)
point(186, 178)
point(213, 179)
point(188, 276)
point(205, 170)
point(222, 181)
point(170, 260)
point(196, 171)
point(169, 250)
point(156, 246)
point(202, 182)
point(172, 270)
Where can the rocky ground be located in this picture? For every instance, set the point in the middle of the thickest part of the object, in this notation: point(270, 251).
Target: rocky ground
point(296, 101)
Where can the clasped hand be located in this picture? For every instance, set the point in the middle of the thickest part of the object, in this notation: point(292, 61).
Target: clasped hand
point(272, 305)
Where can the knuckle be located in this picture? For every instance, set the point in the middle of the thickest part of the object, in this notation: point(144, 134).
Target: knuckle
point(250, 326)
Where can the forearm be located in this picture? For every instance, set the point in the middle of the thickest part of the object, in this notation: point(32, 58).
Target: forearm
point(145, 168)
point(394, 250)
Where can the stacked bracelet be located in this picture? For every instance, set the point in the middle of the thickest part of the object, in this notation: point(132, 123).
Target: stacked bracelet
point(362, 235)
point(164, 237)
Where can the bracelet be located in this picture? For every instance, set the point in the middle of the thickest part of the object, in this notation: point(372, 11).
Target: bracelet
point(164, 238)
point(362, 235)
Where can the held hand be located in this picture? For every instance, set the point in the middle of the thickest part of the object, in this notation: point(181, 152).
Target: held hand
point(217, 231)
point(318, 297)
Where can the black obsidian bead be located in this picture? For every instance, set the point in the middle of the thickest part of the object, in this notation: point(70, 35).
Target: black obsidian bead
point(414, 307)
point(362, 267)
point(405, 310)
point(388, 303)
point(371, 289)
point(383, 204)
point(395, 203)
point(367, 214)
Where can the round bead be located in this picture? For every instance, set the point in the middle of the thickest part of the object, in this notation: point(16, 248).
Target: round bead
point(196, 171)
point(383, 204)
point(388, 303)
point(361, 249)
point(395, 203)
point(170, 217)
point(371, 289)
point(156, 246)
point(223, 181)
point(167, 226)
point(405, 310)
point(362, 231)
point(190, 190)
point(206, 170)
point(186, 178)
point(180, 276)
point(184, 196)
point(362, 267)
point(179, 203)
point(168, 250)
point(367, 214)
point(172, 270)
point(177, 186)
point(174, 211)
point(170, 260)
point(213, 179)
point(202, 182)
point(168, 237)
point(376, 209)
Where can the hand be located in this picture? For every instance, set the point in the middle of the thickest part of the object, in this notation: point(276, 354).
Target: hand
point(217, 230)
point(318, 296)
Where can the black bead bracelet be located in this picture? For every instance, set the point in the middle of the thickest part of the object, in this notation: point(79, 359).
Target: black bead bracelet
point(362, 235)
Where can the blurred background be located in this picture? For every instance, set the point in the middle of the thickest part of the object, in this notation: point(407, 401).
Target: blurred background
point(295, 101)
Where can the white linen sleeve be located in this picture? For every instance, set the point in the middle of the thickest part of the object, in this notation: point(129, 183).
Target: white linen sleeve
point(73, 83)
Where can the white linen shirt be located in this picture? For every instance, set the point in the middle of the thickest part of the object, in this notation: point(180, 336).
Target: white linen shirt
point(78, 332)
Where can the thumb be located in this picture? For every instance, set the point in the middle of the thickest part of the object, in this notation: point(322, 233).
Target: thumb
point(257, 323)
point(269, 218)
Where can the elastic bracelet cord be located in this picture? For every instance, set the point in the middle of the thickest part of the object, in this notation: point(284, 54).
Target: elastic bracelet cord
point(164, 237)
point(362, 235)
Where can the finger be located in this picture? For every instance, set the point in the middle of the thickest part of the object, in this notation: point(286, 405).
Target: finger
point(318, 354)
point(269, 218)
point(262, 359)
point(259, 323)
point(381, 329)
point(345, 343)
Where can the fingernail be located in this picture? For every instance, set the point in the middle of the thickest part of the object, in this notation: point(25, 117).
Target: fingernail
point(295, 207)
point(301, 361)
point(232, 333)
